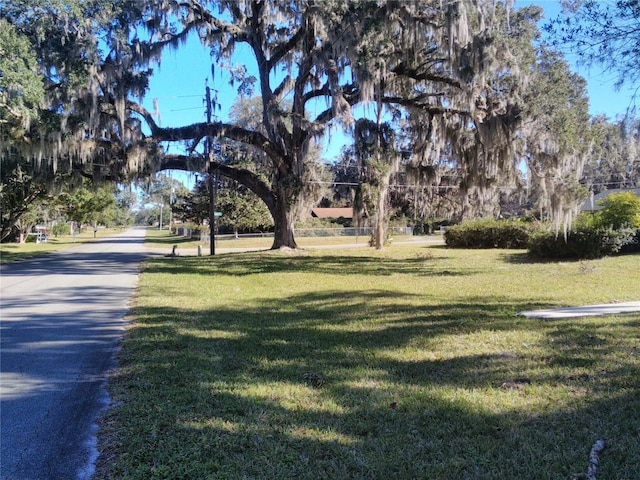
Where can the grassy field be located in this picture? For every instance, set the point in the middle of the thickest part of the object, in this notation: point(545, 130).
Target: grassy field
point(162, 239)
point(11, 252)
point(410, 363)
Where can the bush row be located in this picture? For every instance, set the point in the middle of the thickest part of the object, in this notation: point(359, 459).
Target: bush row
point(586, 240)
point(488, 233)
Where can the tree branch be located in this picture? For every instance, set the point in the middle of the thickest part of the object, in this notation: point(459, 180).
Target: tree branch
point(433, 109)
point(241, 175)
point(415, 73)
point(198, 131)
point(281, 50)
point(238, 33)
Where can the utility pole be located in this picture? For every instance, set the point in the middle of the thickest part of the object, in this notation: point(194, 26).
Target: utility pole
point(212, 200)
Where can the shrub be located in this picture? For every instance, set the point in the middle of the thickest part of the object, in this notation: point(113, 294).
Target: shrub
point(586, 220)
point(634, 244)
point(582, 242)
point(488, 233)
point(60, 228)
point(620, 210)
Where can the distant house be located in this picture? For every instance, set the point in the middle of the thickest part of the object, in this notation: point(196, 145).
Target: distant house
point(342, 212)
point(592, 204)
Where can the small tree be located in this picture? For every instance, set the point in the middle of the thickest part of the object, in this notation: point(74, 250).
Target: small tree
point(163, 193)
point(620, 210)
point(87, 206)
point(193, 206)
point(242, 209)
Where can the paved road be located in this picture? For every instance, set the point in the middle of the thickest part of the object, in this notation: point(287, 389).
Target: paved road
point(61, 321)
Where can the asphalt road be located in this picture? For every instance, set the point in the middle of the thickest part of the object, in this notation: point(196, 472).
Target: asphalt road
point(61, 322)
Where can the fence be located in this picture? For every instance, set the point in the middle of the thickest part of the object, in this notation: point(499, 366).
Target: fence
point(189, 232)
point(300, 232)
point(349, 231)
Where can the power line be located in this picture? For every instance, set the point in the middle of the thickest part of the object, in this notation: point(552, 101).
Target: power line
point(178, 96)
point(183, 109)
point(394, 185)
point(603, 184)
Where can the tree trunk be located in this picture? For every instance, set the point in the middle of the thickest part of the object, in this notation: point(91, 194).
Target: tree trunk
point(379, 231)
point(284, 221)
point(281, 202)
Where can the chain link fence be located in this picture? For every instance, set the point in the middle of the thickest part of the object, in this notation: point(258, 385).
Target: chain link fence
point(203, 236)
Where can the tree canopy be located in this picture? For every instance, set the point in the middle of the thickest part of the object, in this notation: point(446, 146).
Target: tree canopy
point(601, 33)
point(21, 83)
point(455, 81)
point(444, 66)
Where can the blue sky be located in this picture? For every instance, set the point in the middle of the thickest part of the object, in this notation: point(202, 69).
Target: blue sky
point(179, 86)
point(603, 97)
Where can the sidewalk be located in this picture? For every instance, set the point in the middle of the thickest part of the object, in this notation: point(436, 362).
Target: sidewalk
point(585, 311)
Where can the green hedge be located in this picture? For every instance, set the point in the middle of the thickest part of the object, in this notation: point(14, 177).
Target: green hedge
point(584, 242)
point(489, 233)
point(587, 239)
point(633, 246)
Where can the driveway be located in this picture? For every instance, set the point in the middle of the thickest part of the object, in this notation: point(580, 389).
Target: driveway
point(61, 322)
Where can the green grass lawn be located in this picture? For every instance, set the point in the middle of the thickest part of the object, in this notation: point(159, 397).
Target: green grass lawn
point(11, 252)
point(163, 239)
point(410, 363)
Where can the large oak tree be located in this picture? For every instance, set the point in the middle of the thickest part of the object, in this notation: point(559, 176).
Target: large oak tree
point(448, 71)
point(428, 56)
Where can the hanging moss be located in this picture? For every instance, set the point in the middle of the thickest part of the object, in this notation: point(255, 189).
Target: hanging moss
point(378, 160)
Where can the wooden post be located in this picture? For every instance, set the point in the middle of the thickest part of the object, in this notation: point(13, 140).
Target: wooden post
point(212, 207)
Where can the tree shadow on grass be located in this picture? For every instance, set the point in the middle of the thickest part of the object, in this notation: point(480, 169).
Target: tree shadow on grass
point(318, 328)
point(245, 264)
point(227, 435)
point(227, 393)
point(172, 240)
point(8, 256)
point(527, 258)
